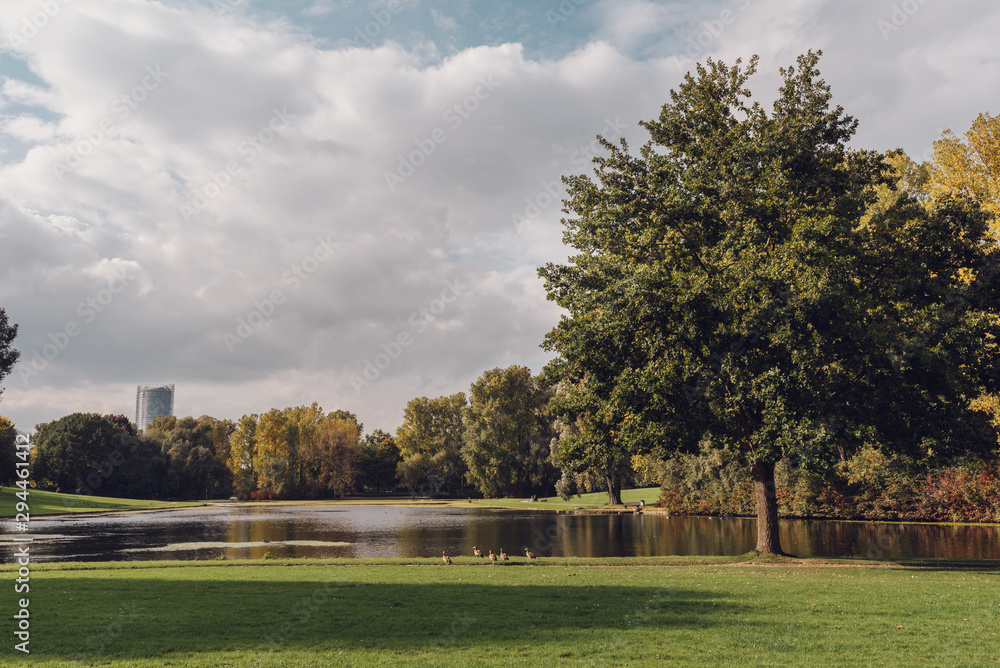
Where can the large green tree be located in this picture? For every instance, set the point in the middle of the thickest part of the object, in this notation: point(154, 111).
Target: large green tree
point(8, 451)
point(195, 469)
point(502, 447)
point(241, 456)
point(330, 456)
point(731, 284)
point(379, 458)
point(92, 454)
point(430, 443)
point(8, 355)
point(586, 446)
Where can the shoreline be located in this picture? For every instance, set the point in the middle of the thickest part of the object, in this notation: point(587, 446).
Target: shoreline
point(396, 502)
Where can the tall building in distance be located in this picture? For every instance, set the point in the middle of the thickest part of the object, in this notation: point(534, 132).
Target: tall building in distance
point(152, 400)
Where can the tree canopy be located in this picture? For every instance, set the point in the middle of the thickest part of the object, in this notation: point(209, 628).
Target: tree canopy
point(506, 442)
point(8, 451)
point(732, 282)
point(8, 355)
point(195, 468)
point(95, 454)
point(430, 443)
point(969, 166)
point(294, 452)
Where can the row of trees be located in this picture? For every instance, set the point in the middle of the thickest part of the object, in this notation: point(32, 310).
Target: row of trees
point(501, 441)
point(295, 452)
point(302, 452)
point(495, 443)
point(87, 453)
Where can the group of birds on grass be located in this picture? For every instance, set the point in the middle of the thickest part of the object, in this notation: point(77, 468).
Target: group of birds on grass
point(493, 558)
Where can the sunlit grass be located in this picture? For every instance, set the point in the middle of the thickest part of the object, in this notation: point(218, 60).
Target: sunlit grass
point(557, 612)
point(593, 500)
point(48, 503)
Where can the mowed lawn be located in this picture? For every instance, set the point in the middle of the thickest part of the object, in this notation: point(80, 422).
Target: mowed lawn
point(49, 503)
point(589, 612)
point(594, 499)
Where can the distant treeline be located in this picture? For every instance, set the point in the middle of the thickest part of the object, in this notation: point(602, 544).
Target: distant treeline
point(504, 439)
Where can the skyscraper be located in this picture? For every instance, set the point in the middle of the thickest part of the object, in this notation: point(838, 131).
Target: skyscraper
point(153, 400)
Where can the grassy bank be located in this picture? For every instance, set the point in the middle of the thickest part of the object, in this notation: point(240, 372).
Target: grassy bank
point(685, 611)
point(594, 500)
point(49, 503)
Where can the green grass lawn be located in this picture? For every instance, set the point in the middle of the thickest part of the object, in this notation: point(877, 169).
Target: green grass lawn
point(595, 499)
point(48, 503)
point(565, 612)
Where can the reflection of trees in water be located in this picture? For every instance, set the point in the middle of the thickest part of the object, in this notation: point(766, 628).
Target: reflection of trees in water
point(424, 532)
point(891, 540)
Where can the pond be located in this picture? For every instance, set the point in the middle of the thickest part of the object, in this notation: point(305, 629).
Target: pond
point(243, 531)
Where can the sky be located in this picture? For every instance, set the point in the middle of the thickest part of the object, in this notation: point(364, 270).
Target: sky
point(271, 203)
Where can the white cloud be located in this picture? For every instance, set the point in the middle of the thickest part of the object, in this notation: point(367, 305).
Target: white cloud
point(273, 187)
point(480, 124)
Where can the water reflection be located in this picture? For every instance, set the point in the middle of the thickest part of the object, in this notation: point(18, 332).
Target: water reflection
point(240, 532)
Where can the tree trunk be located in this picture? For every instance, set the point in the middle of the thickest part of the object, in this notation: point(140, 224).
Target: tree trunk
point(767, 508)
point(614, 488)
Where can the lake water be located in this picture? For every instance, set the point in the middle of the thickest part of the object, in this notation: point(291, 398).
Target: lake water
point(242, 531)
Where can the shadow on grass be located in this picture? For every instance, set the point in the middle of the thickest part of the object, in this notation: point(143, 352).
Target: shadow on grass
point(89, 617)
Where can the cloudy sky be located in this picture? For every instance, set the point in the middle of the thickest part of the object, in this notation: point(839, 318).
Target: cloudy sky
point(275, 202)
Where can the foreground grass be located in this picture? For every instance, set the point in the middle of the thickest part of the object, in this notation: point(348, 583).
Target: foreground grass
point(556, 612)
point(49, 503)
